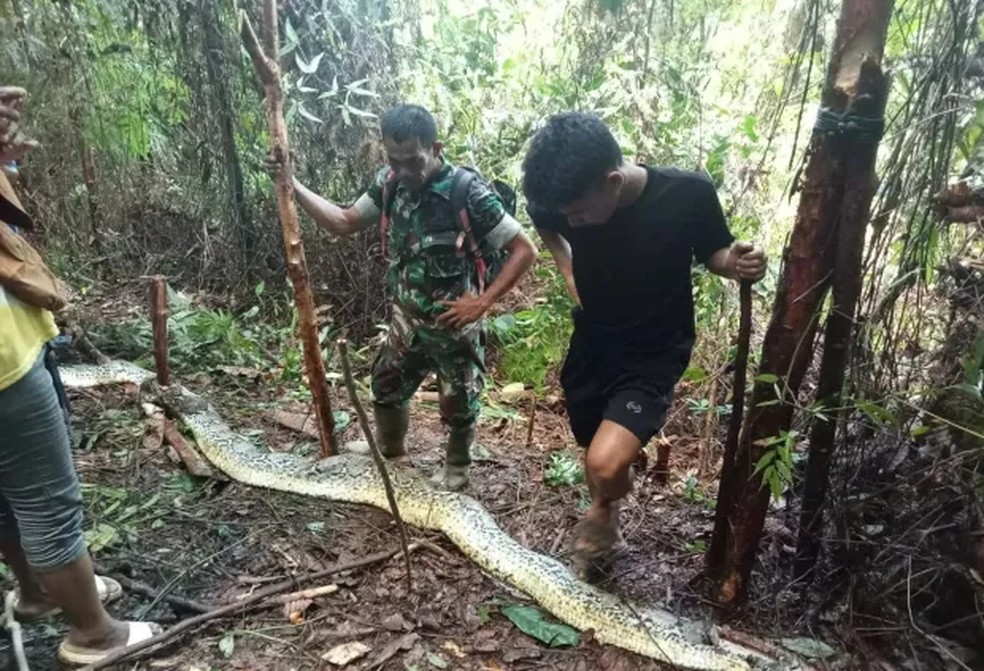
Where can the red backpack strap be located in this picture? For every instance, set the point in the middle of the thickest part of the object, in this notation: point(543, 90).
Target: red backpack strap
point(389, 192)
point(460, 184)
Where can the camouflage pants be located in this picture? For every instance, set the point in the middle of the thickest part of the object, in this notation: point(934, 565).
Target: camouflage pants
point(414, 348)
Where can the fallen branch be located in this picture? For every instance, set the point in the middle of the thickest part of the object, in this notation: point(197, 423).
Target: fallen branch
point(256, 599)
point(376, 455)
point(142, 588)
point(192, 460)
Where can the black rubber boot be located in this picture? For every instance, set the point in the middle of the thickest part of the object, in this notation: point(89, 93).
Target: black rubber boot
point(391, 432)
point(454, 475)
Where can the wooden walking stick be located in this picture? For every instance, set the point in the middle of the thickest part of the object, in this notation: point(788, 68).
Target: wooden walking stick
point(737, 406)
point(269, 72)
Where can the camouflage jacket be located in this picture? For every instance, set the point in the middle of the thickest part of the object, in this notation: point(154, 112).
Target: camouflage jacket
point(426, 264)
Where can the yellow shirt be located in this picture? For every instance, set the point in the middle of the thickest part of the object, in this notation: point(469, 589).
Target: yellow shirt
point(24, 329)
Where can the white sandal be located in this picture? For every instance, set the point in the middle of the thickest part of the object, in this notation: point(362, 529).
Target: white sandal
point(108, 590)
point(79, 656)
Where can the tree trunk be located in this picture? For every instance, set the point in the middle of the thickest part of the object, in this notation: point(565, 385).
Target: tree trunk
point(808, 262)
point(215, 65)
point(269, 72)
point(870, 94)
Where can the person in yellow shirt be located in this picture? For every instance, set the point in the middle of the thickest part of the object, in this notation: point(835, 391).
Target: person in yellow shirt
point(41, 536)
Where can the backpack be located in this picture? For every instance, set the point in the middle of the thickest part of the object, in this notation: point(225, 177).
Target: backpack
point(488, 262)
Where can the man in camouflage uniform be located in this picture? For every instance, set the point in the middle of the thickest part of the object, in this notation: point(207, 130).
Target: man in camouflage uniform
point(437, 306)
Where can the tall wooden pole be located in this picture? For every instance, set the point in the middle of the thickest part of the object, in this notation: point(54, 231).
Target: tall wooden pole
point(269, 71)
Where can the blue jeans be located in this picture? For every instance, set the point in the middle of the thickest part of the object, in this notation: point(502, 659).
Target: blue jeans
point(40, 497)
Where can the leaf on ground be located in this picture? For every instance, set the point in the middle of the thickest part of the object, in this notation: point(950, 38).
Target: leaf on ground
point(436, 660)
point(154, 432)
point(530, 621)
point(403, 643)
point(294, 610)
point(227, 645)
point(346, 653)
point(808, 647)
point(512, 392)
point(454, 649)
point(101, 536)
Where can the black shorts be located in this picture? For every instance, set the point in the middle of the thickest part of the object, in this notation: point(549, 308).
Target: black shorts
point(633, 390)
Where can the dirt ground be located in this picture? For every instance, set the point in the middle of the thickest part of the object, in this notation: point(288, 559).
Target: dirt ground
point(212, 541)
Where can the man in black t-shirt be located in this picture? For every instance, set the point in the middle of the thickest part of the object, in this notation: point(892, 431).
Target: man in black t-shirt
point(624, 237)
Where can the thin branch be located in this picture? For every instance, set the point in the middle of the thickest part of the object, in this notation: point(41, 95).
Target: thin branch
point(250, 601)
point(142, 588)
point(376, 455)
point(264, 67)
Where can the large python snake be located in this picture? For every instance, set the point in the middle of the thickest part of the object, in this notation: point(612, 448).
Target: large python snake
point(352, 478)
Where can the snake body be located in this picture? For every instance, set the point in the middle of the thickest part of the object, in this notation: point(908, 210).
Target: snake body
point(353, 478)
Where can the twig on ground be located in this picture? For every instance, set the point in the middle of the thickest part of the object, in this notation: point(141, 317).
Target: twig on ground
point(376, 455)
point(311, 593)
point(253, 600)
point(142, 588)
point(13, 626)
point(531, 423)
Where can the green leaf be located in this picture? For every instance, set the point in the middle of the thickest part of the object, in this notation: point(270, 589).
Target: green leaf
point(775, 484)
point(342, 419)
point(749, 127)
point(310, 67)
point(227, 644)
point(530, 621)
point(920, 431)
point(764, 462)
point(694, 374)
point(808, 647)
point(766, 378)
point(101, 536)
point(436, 661)
point(307, 115)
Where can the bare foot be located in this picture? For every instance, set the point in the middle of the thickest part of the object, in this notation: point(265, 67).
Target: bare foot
point(32, 604)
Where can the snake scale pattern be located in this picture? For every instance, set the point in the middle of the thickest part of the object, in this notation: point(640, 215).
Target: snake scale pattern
point(352, 478)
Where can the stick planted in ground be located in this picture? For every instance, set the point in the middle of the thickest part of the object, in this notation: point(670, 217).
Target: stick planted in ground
point(376, 455)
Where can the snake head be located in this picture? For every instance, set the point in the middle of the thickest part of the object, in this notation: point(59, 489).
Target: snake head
point(174, 397)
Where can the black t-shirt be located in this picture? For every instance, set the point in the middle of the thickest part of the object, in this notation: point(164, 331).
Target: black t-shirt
point(633, 273)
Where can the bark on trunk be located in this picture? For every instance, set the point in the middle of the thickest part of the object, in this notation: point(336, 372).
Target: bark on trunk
point(859, 180)
point(807, 267)
point(269, 72)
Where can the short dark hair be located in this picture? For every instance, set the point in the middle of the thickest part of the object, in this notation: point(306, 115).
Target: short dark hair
point(402, 122)
point(570, 155)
